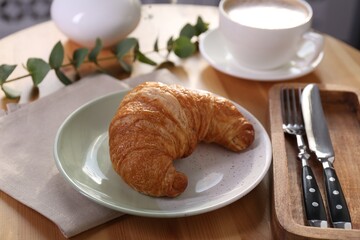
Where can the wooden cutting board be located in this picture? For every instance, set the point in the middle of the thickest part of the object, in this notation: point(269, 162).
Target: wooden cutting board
point(342, 112)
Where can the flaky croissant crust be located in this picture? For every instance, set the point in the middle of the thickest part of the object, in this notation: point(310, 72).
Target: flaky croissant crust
point(156, 124)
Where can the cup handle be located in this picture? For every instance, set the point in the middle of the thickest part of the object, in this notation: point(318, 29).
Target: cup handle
point(311, 47)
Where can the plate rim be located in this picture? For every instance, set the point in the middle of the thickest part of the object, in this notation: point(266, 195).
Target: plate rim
point(159, 213)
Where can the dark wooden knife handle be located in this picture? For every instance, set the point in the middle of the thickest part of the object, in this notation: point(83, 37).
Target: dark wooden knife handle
point(339, 212)
point(314, 206)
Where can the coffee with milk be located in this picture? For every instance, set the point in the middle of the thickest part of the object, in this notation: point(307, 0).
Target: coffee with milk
point(268, 15)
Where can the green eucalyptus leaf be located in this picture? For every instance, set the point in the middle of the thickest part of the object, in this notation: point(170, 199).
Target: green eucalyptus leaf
point(127, 67)
point(56, 56)
point(156, 45)
point(5, 71)
point(79, 56)
point(170, 45)
point(201, 26)
point(38, 69)
point(183, 47)
point(9, 92)
point(188, 31)
point(144, 59)
point(62, 77)
point(123, 47)
point(95, 51)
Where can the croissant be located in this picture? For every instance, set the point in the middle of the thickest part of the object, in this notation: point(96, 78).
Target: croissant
point(156, 124)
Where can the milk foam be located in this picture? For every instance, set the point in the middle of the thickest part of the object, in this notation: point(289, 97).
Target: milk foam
point(268, 16)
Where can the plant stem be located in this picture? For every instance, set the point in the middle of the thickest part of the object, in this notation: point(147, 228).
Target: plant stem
point(87, 61)
point(70, 64)
point(18, 78)
point(64, 65)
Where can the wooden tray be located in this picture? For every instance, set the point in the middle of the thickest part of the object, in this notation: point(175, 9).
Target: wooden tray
point(342, 112)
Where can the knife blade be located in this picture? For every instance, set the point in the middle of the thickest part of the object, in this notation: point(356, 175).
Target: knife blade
point(320, 143)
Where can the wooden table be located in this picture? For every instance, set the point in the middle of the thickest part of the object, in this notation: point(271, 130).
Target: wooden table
point(247, 218)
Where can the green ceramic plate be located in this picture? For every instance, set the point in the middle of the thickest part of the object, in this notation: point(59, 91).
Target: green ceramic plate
point(217, 177)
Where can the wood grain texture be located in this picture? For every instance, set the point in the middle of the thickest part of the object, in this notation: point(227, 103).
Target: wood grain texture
point(248, 218)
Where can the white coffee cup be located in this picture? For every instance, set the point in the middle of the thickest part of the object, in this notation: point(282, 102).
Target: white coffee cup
point(267, 34)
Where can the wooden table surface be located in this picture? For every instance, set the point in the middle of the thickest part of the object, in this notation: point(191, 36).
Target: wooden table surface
point(248, 218)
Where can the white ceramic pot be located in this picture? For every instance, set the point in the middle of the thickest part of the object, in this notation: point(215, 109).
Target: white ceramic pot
point(85, 20)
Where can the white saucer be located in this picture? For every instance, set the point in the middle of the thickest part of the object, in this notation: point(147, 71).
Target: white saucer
point(212, 48)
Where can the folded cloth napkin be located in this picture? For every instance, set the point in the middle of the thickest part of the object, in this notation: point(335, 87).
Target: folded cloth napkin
point(27, 166)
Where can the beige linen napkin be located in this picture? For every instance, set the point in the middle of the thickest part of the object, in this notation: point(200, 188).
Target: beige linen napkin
point(27, 167)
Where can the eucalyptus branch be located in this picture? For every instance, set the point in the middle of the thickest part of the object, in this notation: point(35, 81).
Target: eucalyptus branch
point(185, 45)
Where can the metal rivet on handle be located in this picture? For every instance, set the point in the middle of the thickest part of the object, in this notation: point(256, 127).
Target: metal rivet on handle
point(315, 204)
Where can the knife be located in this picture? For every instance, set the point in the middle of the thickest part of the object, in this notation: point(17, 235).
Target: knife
point(319, 142)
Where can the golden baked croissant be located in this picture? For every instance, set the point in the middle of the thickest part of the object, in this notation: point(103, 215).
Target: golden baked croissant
point(157, 123)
